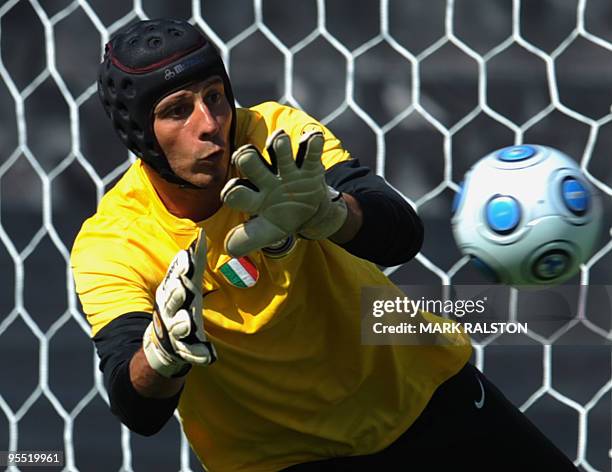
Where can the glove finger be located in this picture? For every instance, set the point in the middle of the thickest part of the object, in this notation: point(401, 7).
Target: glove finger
point(251, 236)
point(171, 296)
point(197, 258)
point(280, 152)
point(179, 325)
point(309, 151)
point(241, 195)
point(197, 354)
point(254, 167)
point(197, 322)
point(195, 331)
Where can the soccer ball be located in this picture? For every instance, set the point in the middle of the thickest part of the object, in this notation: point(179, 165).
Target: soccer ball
point(527, 215)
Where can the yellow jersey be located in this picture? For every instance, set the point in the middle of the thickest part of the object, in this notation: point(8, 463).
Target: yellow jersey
point(292, 383)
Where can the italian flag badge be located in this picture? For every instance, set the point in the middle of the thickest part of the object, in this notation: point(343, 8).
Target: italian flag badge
point(241, 272)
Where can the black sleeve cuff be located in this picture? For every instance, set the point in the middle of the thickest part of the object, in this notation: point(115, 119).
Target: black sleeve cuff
point(142, 415)
point(116, 344)
point(392, 232)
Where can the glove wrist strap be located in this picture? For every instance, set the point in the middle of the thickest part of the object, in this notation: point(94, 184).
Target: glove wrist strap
point(159, 359)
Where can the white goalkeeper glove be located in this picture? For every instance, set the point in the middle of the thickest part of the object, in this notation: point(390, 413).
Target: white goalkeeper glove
point(175, 339)
point(287, 196)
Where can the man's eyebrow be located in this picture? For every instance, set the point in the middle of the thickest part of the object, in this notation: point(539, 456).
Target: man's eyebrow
point(168, 102)
point(180, 95)
point(212, 80)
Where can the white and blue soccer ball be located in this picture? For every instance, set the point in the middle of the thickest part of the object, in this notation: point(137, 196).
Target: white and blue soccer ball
point(527, 215)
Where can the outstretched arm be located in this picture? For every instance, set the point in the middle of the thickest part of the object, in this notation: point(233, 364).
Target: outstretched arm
point(145, 357)
point(142, 399)
point(389, 230)
point(148, 383)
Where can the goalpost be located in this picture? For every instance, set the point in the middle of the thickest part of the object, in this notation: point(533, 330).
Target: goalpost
point(417, 90)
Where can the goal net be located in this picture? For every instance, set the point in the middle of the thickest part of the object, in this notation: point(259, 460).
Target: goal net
point(417, 90)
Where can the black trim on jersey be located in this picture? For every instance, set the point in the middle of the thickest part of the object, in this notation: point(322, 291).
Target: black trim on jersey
point(116, 343)
point(392, 232)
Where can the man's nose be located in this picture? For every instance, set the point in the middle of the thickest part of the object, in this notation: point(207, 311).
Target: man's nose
point(206, 125)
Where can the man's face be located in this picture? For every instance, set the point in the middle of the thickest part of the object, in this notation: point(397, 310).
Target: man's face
point(192, 127)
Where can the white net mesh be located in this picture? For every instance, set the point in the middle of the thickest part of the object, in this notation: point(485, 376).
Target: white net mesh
point(419, 92)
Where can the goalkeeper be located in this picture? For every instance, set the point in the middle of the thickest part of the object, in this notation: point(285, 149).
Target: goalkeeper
point(222, 274)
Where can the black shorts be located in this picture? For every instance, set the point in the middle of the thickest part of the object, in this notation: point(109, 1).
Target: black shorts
point(468, 425)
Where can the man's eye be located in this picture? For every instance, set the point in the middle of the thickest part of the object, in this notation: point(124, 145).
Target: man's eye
point(178, 111)
point(213, 97)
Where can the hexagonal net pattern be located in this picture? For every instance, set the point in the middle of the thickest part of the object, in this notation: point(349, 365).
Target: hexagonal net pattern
point(417, 90)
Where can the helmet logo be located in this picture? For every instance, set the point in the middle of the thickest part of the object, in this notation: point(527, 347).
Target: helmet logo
point(177, 69)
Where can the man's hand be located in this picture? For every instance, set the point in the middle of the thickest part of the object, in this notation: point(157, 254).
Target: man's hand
point(175, 339)
point(287, 196)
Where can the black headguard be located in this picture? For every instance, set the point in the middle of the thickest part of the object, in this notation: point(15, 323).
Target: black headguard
point(143, 63)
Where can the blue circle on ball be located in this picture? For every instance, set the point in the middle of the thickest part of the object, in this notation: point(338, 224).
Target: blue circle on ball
point(516, 153)
point(575, 195)
point(551, 264)
point(503, 214)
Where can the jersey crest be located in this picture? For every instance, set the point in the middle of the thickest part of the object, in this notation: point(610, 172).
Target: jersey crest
point(240, 272)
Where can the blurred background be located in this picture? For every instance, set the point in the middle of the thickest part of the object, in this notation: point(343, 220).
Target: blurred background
point(417, 90)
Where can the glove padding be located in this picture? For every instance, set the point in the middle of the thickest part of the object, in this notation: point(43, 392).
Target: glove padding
point(287, 196)
point(175, 339)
